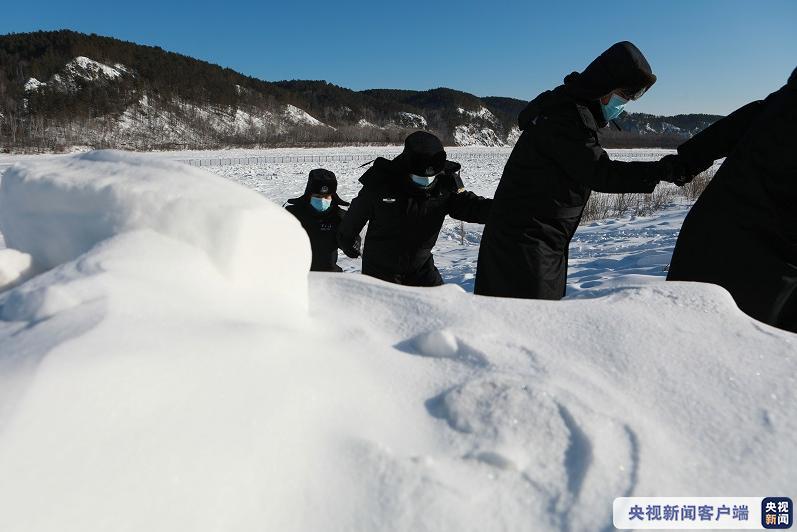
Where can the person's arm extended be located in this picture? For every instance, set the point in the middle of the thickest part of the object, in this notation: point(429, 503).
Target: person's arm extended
point(353, 222)
point(576, 151)
point(718, 139)
point(465, 205)
point(469, 207)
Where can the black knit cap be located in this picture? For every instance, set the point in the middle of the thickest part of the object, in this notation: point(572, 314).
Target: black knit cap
point(622, 66)
point(321, 181)
point(423, 154)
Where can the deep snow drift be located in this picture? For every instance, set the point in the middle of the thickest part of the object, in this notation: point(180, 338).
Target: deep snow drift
point(172, 367)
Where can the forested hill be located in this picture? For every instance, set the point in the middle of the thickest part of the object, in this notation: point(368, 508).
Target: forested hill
point(63, 88)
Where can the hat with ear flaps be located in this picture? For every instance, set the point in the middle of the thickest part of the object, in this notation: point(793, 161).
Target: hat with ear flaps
point(622, 66)
point(321, 181)
point(423, 154)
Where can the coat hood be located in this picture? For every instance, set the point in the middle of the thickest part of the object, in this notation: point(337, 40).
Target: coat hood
point(622, 66)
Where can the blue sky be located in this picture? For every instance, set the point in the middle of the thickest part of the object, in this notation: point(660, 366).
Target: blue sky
point(710, 56)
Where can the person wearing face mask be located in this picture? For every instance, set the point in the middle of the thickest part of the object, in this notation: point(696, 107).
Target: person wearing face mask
point(320, 213)
point(404, 201)
point(555, 165)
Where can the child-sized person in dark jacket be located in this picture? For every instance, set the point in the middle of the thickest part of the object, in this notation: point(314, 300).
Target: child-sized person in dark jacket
point(320, 213)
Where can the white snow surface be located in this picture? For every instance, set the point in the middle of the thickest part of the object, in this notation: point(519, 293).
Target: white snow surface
point(150, 379)
point(58, 211)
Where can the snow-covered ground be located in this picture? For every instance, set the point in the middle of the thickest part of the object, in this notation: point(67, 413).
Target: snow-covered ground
point(603, 253)
point(171, 367)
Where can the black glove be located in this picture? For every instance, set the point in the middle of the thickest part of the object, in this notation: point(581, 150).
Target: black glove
point(676, 170)
point(353, 251)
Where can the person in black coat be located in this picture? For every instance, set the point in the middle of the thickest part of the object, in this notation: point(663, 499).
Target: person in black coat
point(320, 213)
point(552, 170)
point(404, 201)
point(742, 232)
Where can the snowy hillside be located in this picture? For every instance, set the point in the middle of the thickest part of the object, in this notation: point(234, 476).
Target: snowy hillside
point(62, 89)
point(172, 367)
point(153, 121)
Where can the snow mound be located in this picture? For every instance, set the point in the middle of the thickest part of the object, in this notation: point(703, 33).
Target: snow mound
point(150, 381)
point(56, 211)
point(14, 266)
point(442, 344)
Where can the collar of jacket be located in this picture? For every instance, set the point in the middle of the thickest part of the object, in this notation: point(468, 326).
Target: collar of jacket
point(592, 115)
point(588, 110)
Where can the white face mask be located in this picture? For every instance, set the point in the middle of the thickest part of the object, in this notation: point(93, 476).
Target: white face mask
point(423, 181)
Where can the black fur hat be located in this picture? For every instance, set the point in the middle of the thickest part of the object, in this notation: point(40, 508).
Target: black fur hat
point(423, 154)
point(321, 181)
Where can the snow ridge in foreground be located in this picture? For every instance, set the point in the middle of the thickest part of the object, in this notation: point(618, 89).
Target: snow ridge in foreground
point(150, 380)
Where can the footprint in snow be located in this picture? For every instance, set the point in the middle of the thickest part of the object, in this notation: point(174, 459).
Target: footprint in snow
point(564, 450)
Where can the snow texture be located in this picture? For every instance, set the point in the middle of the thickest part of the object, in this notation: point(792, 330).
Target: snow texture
point(149, 380)
point(58, 211)
point(14, 266)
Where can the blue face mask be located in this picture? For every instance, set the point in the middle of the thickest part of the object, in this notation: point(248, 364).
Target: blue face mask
point(613, 109)
point(423, 181)
point(320, 204)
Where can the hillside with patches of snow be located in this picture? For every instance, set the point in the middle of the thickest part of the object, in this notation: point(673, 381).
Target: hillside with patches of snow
point(63, 89)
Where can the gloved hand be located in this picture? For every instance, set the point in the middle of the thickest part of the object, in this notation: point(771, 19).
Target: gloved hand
point(353, 251)
point(676, 170)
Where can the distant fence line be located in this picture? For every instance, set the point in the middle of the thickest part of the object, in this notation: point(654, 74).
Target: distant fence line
point(292, 159)
point(277, 159)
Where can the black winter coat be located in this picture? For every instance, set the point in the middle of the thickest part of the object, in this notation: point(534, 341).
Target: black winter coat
point(742, 232)
point(547, 180)
point(321, 228)
point(404, 221)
